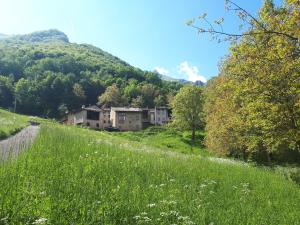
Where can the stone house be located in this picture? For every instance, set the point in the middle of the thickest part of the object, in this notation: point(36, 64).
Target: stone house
point(159, 115)
point(126, 119)
point(91, 116)
point(123, 118)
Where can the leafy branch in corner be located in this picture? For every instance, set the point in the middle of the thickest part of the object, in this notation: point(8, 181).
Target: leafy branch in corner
point(215, 28)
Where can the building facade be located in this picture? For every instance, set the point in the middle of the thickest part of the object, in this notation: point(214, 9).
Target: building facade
point(126, 119)
point(123, 118)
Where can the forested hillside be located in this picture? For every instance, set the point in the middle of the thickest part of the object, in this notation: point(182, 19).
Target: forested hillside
point(43, 74)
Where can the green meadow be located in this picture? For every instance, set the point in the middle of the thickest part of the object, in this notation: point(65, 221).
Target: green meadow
point(77, 176)
point(11, 123)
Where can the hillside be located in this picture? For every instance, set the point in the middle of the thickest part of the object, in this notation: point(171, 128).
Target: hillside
point(11, 123)
point(78, 176)
point(181, 81)
point(51, 75)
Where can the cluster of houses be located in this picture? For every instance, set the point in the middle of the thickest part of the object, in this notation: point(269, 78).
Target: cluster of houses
point(121, 118)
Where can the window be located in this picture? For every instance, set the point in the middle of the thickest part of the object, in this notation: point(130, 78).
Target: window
point(104, 121)
point(91, 115)
point(88, 124)
point(122, 116)
point(97, 124)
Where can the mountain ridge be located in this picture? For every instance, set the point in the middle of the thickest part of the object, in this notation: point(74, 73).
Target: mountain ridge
point(37, 36)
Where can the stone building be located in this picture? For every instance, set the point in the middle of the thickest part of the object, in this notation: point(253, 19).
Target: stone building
point(123, 118)
point(126, 119)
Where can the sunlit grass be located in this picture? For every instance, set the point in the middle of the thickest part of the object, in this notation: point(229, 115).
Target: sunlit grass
point(166, 139)
point(11, 123)
point(77, 176)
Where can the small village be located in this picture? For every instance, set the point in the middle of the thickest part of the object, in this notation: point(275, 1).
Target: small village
point(118, 118)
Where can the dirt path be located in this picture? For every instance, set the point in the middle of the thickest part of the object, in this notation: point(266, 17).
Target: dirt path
point(12, 146)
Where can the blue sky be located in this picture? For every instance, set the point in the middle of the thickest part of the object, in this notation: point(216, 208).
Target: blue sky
point(147, 34)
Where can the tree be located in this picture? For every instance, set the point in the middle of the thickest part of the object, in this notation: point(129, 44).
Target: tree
point(79, 92)
point(138, 101)
point(149, 92)
point(187, 109)
point(160, 100)
point(255, 26)
point(252, 108)
point(112, 97)
point(6, 91)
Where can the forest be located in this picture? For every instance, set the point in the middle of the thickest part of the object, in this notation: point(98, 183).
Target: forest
point(44, 74)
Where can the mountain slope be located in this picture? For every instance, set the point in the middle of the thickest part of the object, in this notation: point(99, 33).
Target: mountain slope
point(51, 75)
point(181, 81)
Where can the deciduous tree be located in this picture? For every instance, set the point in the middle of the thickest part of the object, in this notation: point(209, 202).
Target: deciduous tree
point(187, 109)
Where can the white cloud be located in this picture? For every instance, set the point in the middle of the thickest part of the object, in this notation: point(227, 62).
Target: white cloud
point(161, 71)
point(191, 72)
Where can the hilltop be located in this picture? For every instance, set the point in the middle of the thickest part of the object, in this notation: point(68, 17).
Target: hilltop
point(38, 36)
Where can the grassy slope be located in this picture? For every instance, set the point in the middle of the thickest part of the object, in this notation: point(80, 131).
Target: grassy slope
point(77, 176)
point(165, 139)
point(11, 123)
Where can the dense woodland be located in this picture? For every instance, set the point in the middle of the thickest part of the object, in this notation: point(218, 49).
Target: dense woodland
point(43, 74)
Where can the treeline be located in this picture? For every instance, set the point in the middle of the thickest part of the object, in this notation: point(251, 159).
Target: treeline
point(45, 76)
point(253, 107)
point(251, 110)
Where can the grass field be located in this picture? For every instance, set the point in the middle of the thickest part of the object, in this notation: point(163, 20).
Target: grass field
point(11, 123)
point(77, 176)
point(166, 139)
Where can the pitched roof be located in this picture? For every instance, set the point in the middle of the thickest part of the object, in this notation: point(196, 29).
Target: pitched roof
point(126, 109)
point(92, 108)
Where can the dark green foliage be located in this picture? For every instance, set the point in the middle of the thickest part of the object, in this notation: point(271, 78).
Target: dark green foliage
point(6, 91)
point(47, 72)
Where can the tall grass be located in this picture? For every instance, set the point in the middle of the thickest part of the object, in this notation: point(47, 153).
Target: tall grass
point(76, 176)
point(166, 139)
point(11, 123)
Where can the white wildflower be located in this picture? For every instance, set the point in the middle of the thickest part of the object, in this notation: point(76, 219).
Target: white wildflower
point(137, 217)
point(172, 202)
point(4, 219)
point(163, 214)
point(174, 213)
point(40, 221)
point(151, 205)
point(146, 219)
